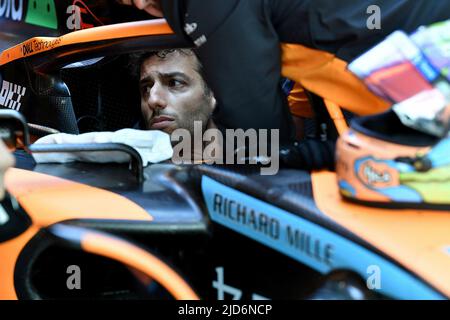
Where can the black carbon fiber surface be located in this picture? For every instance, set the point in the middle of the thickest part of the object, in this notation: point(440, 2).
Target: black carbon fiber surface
point(105, 97)
point(289, 189)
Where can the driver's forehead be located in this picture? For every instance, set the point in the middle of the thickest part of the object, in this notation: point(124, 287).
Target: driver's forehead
point(172, 63)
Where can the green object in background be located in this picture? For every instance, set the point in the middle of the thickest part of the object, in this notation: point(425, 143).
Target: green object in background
point(42, 13)
point(433, 186)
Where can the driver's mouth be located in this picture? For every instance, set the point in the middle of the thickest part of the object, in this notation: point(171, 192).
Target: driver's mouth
point(162, 122)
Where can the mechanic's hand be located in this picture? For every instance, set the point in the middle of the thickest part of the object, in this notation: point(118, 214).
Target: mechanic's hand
point(309, 154)
point(153, 7)
point(6, 161)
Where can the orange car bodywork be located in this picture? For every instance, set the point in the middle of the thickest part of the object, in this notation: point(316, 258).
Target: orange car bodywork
point(124, 30)
point(418, 239)
point(49, 200)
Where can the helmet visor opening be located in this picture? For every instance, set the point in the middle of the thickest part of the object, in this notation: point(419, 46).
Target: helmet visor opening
point(388, 127)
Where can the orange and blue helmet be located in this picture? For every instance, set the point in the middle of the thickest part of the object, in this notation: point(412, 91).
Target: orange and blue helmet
point(384, 163)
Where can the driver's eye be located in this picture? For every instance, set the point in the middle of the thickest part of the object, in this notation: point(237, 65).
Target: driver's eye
point(175, 83)
point(146, 89)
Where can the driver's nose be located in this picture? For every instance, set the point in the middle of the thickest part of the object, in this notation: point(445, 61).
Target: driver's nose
point(157, 98)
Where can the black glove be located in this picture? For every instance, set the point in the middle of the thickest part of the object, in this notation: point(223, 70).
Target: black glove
point(309, 155)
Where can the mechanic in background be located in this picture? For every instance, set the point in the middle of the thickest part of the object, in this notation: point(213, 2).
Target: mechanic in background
point(6, 161)
point(246, 46)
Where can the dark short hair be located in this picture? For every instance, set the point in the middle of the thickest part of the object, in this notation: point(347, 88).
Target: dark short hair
point(137, 59)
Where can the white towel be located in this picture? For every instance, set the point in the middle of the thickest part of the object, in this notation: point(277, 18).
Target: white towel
point(152, 146)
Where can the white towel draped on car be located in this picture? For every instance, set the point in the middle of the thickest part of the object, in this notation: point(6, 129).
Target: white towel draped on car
point(152, 146)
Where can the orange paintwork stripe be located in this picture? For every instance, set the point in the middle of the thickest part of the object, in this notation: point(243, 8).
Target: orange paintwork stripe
point(9, 253)
point(141, 260)
point(49, 200)
point(415, 238)
point(327, 76)
point(337, 116)
point(115, 31)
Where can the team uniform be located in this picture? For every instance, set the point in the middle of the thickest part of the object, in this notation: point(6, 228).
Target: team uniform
point(239, 45)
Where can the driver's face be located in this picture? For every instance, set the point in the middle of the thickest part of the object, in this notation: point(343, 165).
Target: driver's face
point(153, 7)
point(173, 93)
